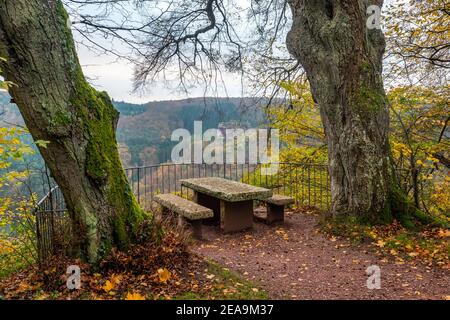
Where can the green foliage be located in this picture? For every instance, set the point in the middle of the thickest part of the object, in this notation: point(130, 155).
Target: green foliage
point(16, 219)
point(300, 126)
point(303, 143)
point(307, 183)
point(419, 122)
point(17, 239)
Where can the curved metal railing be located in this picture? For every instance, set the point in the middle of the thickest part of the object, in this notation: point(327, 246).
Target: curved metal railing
point(307, 183)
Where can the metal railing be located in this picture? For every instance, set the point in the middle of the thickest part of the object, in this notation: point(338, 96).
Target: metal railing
point(307, 183)
point(52, 223)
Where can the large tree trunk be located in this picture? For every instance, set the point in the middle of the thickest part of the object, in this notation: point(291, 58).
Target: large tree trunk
point(343, 62)
point(59, 106)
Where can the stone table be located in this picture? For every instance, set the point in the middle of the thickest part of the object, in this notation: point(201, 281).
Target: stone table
point(231, 201)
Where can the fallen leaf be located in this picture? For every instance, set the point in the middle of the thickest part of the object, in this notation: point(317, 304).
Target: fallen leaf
point(112, 283)
point(393, 252)
point(380, 243)
point(116, 279)
point(24, 286)
point(134, 296)
point(164, 275)
point(443, 233)
point(108, 286)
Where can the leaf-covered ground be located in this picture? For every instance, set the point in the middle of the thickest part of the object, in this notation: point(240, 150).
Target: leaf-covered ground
point(150, 270)
point(304, 259)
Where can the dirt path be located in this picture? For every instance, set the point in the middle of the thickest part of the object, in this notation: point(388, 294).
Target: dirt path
point(295, 261)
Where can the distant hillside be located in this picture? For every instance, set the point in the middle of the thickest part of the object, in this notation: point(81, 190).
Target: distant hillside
point(144, 131)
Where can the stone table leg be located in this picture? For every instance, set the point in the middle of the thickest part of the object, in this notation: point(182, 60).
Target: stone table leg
point(236, 216)
point(197, 229)
point(208, 202)
point(274, 213)
point(196, 225)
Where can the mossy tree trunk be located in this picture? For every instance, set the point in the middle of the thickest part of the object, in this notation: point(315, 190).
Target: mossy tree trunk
point(343, 62)
point(59, 106)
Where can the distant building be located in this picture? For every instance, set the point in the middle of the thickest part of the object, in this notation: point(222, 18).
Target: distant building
point(233, 124)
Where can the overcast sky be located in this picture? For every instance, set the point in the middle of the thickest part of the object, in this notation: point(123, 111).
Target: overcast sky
point(116, 77)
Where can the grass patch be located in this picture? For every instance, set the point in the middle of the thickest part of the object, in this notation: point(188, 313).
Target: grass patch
point(227, 285)
point(14, 256)
point(8, 266)
point(429, 245)
point(352, 228)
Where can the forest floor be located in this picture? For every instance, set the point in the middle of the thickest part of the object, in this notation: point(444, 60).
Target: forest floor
point(298, 260)
point(307, 257)
point(153, 269)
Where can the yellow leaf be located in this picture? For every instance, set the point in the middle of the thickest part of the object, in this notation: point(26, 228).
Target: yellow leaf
point(372, 234)
point(164, 275)
point(443, 233)
point(108, 286)
point(23, 286)
point(134, 296)
point(380, 243)
point(112, 283)
point(116, 279)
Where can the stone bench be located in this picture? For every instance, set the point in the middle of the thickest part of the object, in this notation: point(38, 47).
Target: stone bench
point(188, 210)
point(275, 207)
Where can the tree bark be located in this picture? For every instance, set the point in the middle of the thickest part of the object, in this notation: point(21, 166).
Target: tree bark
point(343, 62)
point(59, 106)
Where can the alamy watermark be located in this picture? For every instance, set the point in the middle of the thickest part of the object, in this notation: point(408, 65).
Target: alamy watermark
point(374, 17)
point(374, 279)
point(227, 146)
point(74, 278)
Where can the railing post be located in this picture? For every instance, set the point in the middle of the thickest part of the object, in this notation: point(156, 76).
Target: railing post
point(309, 185)
point(138, 185)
